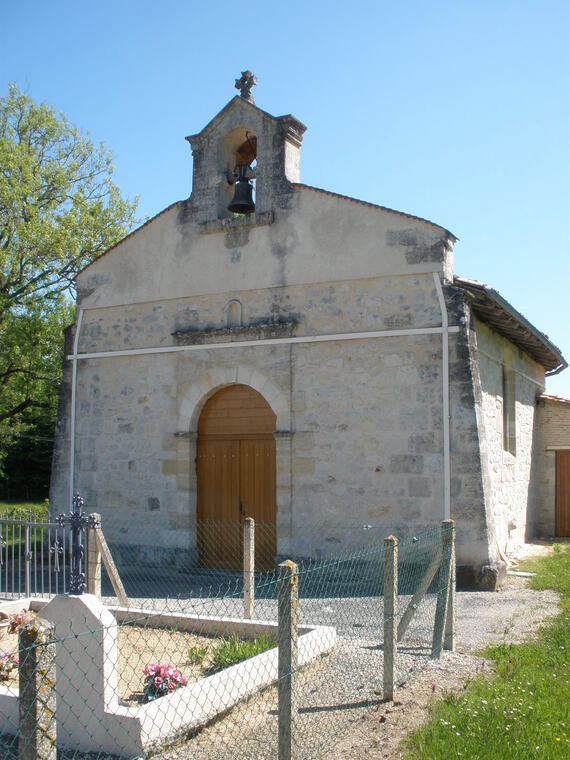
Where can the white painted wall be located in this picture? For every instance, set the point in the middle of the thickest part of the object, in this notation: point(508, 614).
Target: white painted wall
point(322, 239)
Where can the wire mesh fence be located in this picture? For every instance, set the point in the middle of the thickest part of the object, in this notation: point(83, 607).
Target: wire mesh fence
point(201, 662)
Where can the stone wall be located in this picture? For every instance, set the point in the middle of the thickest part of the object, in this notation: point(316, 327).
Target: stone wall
point(322, 308)
point(508, 474)
point(359, 422)
point(553, 432)
point(468, 506)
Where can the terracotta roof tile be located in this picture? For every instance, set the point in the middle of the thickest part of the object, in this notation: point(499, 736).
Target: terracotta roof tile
point(552, 397)
point(492, 308)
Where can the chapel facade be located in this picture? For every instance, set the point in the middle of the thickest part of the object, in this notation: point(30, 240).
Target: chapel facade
point(301, 357)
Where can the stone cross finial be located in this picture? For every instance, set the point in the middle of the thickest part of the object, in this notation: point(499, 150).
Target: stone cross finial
point(245, 83)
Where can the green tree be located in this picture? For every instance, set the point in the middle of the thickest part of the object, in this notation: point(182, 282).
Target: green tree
point(59, 210)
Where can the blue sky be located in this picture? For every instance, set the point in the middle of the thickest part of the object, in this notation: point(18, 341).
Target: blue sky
point(455, 111)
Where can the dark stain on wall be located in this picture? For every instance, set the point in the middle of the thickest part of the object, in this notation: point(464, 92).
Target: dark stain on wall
point(236, 238)
point(417, 251)
point(280, 252)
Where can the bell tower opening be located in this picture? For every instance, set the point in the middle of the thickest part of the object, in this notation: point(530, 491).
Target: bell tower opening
point(245, 161)
point(242, 167)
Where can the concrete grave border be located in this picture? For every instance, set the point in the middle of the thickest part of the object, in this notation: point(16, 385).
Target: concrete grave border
point(136, 729)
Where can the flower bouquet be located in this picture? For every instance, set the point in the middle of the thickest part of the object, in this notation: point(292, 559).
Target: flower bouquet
point(161, 679)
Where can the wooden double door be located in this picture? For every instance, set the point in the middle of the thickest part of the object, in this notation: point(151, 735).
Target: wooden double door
point(563, 493)
point(236, 478)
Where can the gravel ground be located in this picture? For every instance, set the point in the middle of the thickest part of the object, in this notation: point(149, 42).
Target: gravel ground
point(510, 615)
point(341, 713)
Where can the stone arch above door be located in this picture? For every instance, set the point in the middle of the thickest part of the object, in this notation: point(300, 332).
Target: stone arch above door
point(193, 402)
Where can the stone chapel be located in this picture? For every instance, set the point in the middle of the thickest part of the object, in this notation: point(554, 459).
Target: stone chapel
point(301, 357)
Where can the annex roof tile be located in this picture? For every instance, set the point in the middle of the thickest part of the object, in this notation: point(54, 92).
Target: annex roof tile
point(493, 309)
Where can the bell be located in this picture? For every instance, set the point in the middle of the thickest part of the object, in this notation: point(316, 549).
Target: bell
point(242, 202)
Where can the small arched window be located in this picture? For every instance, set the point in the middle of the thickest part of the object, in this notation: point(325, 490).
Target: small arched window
point(233, 311)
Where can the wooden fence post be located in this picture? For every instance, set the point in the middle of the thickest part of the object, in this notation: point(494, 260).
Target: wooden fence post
point(419, 594)
point(37, 728)
point(248, 566)
point(288, 613)
point(93, 560)
point(111, 568)
point(390, 611)
point(449, 636)
point(444, 586)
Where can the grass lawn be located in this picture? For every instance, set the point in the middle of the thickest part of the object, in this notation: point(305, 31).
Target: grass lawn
point(524, 711)
point(16, 508)
point(20, 509)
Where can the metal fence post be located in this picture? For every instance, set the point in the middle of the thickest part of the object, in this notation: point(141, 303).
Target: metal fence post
point(78, 522)
point(37, 728)
point(449, 636)
point(444, 586)
point(28, 556)
point(390, 608)
point(93, 558)
point(248, 566)
point(288, 613)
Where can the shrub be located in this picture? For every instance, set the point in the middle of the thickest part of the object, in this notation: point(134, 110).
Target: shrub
point(197, 655)
point(161, 679)
point(233, 650)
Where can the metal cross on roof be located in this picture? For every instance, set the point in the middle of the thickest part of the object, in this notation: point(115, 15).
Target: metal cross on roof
point(245, 83)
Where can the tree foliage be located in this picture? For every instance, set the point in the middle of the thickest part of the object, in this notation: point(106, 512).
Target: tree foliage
point(59, 209)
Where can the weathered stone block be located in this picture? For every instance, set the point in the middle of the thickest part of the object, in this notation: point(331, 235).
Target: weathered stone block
point(455, 487)
point(407, 463)
point(422, 442)
point(303, 466)
point(482, 578)
point(419, 487)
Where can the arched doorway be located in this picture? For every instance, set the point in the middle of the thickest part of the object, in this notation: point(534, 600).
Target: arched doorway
point(236, 477)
